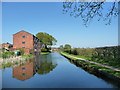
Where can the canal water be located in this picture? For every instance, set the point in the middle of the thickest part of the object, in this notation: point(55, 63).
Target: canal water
point(51, 71)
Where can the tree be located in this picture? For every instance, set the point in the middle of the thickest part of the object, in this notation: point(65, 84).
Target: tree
point(61, 47)
point(67, 48)
point(88, 10)
point(46, 39)
point(75, 51)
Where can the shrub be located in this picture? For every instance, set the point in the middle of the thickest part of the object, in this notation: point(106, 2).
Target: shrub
point(21, 51)
point(44, 50)
point(7, 54)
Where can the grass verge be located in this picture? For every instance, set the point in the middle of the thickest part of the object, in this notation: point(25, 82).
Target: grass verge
point(89, 66)
point(44, 53)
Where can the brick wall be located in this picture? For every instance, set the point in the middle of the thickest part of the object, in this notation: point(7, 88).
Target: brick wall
point(21, 37)
point(27, 41)
point(23, 40)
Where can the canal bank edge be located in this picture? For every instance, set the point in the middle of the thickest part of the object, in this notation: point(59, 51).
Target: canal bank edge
point(99, 71)
point(15, 60)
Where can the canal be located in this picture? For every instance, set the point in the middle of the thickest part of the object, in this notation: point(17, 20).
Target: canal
point(51, 71)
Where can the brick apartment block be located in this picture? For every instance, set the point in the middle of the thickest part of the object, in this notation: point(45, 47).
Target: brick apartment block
point(27, 41)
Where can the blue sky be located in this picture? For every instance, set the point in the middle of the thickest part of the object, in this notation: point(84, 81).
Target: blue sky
point(48, 17)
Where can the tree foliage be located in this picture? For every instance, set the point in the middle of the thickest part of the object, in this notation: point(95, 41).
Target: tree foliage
point(105, 55)
point(67, 48)
point(61, 47)
point(47, 39)
point(89, 10)
point(86, 52)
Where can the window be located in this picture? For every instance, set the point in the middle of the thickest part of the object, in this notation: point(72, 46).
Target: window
point(23, 36)
point(23, 68)
point(23, 42)
point(23, 74)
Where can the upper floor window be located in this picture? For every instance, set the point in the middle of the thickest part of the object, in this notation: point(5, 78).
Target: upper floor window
point(23, 36)
point(23, 68)
point(23, 42)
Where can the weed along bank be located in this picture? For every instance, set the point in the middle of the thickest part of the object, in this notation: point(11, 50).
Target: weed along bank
point(27, 42)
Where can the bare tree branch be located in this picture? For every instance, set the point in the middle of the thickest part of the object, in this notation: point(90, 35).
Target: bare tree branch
point(88, 10)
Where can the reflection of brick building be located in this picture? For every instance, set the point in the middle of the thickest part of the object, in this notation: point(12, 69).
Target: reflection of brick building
point(24, 72)
point(27, 41)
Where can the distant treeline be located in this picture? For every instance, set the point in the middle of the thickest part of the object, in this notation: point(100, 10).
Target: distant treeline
point(105, 55)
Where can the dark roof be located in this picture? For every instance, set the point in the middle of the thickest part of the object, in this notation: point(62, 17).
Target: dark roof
point(7, 43)
point(23, 31)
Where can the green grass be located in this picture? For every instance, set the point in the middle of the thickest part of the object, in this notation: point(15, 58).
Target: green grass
point(27, 56)
point(44, 53)
point(78, 56)
point(9, 64)
point(90, 65)
point(102, 61)
point(7, 54)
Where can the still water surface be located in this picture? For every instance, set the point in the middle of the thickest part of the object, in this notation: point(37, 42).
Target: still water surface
point(51, 71)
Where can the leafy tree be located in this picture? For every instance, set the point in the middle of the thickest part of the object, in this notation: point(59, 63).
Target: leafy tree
point(88, 10)
point(67, 48)
point(75, 51)
point(47, 39)
point(61, 47)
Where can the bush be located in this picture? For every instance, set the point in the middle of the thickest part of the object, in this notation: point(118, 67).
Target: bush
point(108, 55)
point(44, 50)
point(67, 48)
point(86, 52)
point(6, 65)
point(21, 51)
point(7, 54)
point(75, 51)
point(105, 55)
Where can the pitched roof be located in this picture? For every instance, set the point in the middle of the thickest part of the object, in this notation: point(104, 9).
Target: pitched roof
point(23, 31)
point(26, 32)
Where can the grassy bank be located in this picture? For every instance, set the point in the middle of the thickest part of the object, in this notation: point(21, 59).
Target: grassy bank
point(7, 54)
point(44, 53)
point(8, 62)
point(92, 67)
point(104, 55)
point(27, 56)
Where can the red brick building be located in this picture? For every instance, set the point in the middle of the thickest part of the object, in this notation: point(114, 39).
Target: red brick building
point(27, 41)
point(7, 46)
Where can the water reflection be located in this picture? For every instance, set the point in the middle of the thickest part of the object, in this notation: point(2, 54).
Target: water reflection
point(24, 72)
point(65, 75)
point(39, 64)
point(46, 64)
